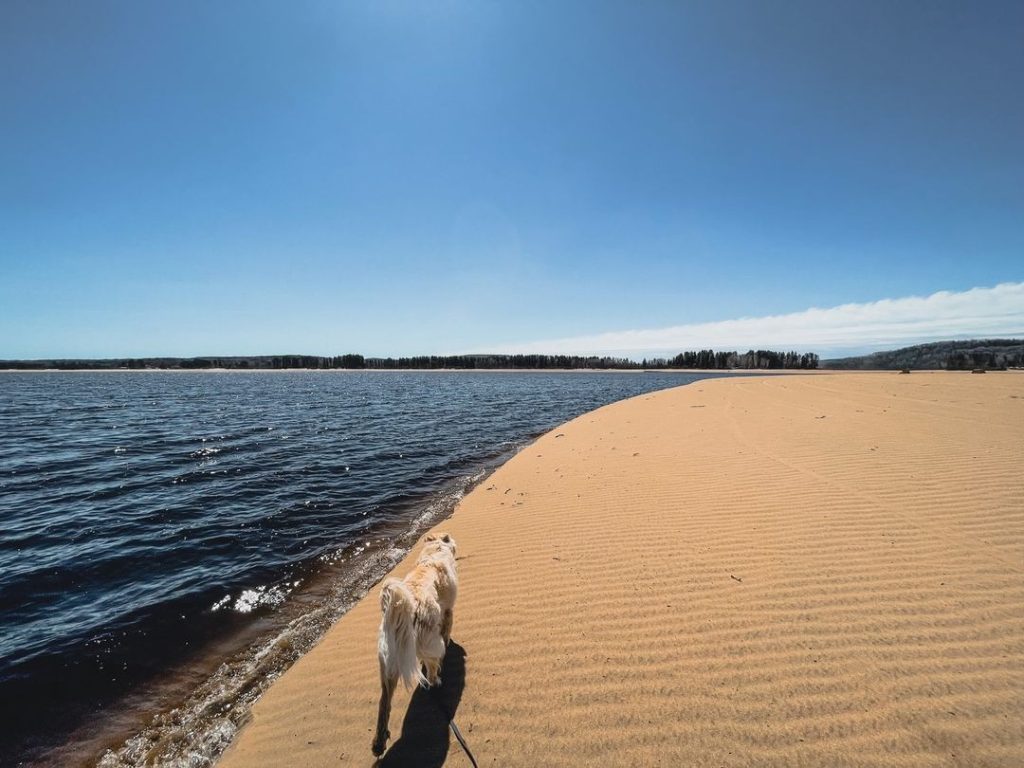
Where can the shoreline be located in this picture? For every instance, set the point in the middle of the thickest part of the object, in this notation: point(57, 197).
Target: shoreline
point(745, 571)
point(724, 371)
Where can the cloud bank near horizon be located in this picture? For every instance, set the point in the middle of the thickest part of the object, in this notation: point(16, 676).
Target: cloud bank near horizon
point(848, 328)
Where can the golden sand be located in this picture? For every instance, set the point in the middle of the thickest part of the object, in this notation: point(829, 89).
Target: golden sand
point(771, 571)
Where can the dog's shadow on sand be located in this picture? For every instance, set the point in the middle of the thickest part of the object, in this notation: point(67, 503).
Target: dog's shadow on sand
point(424, 740)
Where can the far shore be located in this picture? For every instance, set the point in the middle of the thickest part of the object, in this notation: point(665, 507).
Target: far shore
point(755, 371)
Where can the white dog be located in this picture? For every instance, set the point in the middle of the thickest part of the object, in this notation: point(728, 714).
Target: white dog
point(416, 626)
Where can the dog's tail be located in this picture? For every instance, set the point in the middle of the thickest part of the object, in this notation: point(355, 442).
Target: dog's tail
point(396, 644)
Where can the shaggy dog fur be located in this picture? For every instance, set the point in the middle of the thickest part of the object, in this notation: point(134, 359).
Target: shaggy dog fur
point(416, 626)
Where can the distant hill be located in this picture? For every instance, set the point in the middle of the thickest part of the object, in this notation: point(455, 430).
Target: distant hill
point(951, 355)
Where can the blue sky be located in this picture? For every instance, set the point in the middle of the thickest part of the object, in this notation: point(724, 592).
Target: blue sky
point(320, 177)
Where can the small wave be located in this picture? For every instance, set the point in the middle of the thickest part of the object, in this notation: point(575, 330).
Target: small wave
point(259, 597)
point(221, 603)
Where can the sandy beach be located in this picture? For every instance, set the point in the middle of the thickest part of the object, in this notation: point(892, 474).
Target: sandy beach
point(794, 570)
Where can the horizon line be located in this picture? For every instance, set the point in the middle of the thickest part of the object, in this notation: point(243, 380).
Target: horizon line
point(734, 349)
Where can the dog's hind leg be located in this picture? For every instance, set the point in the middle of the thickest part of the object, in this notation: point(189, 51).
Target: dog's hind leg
point(387, 692)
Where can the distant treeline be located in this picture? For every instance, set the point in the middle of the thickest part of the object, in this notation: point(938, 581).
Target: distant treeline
point(704, 359)
point(485, 362)
point(951, 355)
point(760, 359)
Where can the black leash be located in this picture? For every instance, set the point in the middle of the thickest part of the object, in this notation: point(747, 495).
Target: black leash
point(462, 741)
point(458, 734)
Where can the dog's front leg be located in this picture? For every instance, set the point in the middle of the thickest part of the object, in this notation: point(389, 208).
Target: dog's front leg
point(446, 626)
point(433, 670)
point(433, 655)
point(387, 692)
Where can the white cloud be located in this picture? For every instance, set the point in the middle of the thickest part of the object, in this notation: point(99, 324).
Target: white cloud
point(977, 313)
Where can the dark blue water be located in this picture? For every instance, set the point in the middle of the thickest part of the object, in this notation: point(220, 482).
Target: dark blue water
point(172, 539)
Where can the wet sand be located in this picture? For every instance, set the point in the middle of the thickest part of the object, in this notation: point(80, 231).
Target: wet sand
point(815, 570)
